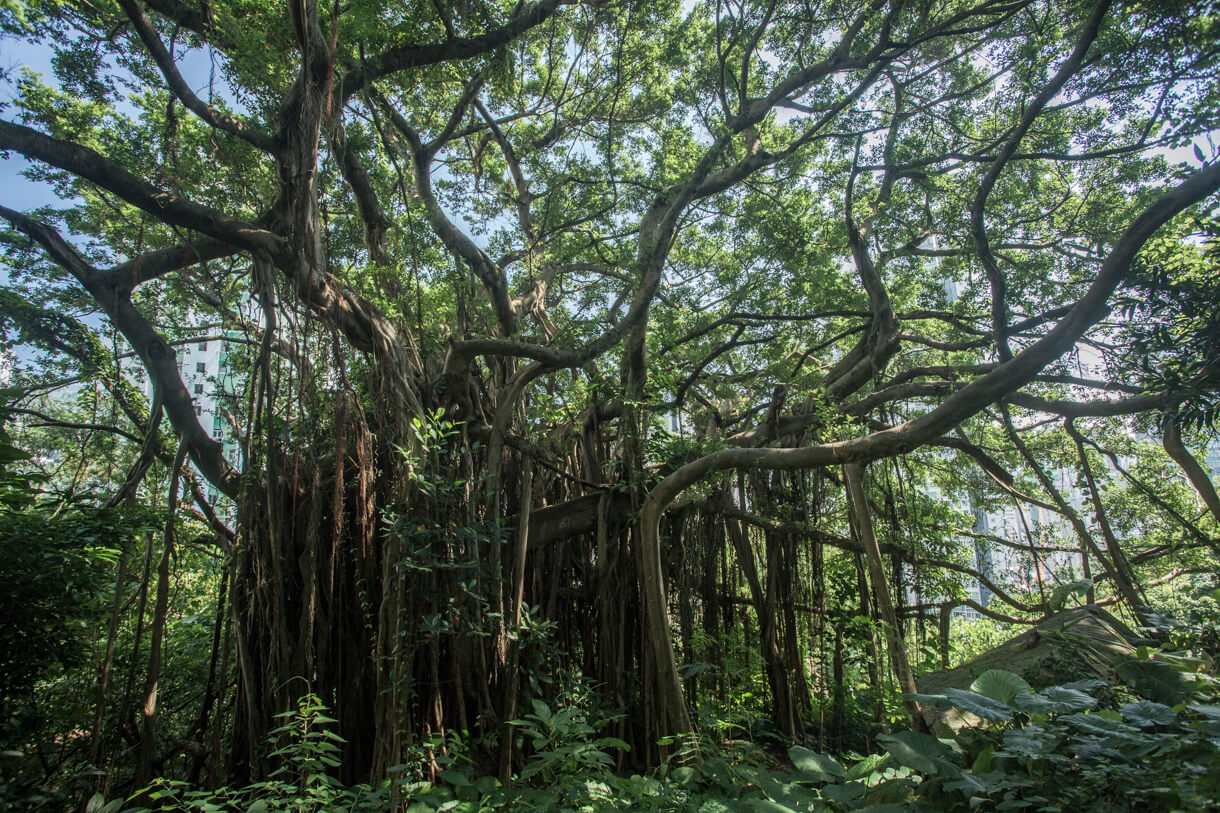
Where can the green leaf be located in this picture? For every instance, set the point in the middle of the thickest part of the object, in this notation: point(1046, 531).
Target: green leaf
point(922, 752)
point(1033, 704)
point(984, 761)
point(713, 806)
point(1210, 711)
point(813, 762)
point(1155, 680)
point(1146, 713)
point(1094, 724)
point(979, 705)
point(844, 793)
point(612, 742)
point(935, 701)
point(768, 806)
point(1033, 740)
point(420, 807)
point(684, 775)
point(486, 784)
point(866, 767)
point(1000, 685)
point(1061, 699)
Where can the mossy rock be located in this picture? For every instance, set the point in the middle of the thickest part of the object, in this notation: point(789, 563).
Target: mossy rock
point(1083, 642)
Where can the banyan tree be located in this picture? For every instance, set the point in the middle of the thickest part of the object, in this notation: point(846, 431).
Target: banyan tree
point(566, 330)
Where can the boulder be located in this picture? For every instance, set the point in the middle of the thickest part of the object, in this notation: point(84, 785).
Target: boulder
point(1076, 644)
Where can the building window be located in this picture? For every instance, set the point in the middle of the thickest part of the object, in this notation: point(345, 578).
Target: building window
point(199, 389)
point(201, 367)
point(203, 345)
point(198, 409)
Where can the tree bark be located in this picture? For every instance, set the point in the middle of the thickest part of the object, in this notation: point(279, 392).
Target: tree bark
point(885, 605)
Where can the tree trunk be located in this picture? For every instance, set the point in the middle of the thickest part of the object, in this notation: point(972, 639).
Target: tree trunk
point(148, 731)
point(876, 569)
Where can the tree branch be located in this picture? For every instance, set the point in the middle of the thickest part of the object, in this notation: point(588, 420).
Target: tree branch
point(165, 62)
point(158, 357)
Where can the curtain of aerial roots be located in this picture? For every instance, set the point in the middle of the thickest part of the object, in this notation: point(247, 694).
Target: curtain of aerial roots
point(749, 567)
point(375, 578)
point(306, 582)
point(767, 559)
point(414, 606)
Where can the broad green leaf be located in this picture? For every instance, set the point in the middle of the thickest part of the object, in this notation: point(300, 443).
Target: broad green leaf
point(1033, 704)
point(922, 752)
point(866, 767)
point(455, 778)
point(1146, 713)
point(486, 784)
point(768, 806)
point(1000, 685)
point(1062, 699)
point(1032, 740)
point(684, 775)
point(805, 759)
point(420, 807)
point(979, 705)
point(844, 793)
point(984, 761)
point(1095, 724)
point(935, 701)
point(1096, 749)
point(1155, 680)
point(1206, 710)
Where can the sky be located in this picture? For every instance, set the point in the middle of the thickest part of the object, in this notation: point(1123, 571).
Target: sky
point(18, 192)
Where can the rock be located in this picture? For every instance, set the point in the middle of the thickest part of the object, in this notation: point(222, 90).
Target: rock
point(1083, 642)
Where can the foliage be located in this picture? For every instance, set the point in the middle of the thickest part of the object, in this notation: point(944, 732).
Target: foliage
point(306, 752)
point(54, 573)
point(552, 318)
point(1172, 315)
point(1050, 749)
point(1054, 748)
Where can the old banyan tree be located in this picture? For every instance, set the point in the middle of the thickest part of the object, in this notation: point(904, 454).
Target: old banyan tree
point(595, 335)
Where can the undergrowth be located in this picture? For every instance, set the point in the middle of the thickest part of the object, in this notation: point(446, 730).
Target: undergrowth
point(1016, 749)
point(1147, 740)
